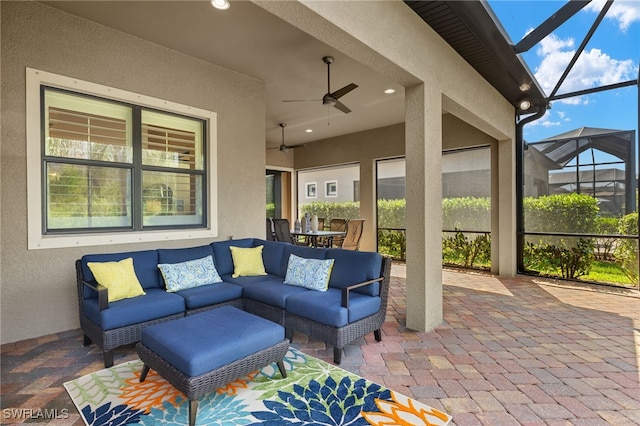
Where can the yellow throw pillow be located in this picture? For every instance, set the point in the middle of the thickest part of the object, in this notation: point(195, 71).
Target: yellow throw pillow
point(119, 277)
point(247, 261)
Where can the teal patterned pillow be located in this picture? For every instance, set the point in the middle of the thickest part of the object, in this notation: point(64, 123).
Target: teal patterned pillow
point(189, 274)
point(309, 273)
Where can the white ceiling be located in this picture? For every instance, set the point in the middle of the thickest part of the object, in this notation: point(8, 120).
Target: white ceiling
point(251, 41)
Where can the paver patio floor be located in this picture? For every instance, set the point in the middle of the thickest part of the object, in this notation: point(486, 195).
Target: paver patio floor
point(510, 351)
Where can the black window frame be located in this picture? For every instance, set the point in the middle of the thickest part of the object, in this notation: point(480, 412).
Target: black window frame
point(136, 167)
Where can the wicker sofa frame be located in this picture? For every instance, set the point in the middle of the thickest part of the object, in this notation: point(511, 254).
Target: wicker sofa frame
point(108, 340)
point(338, 337)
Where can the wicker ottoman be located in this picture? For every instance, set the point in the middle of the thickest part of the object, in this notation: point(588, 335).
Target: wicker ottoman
point(202, 352)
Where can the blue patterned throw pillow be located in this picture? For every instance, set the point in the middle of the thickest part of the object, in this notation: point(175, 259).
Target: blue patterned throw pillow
point(309, 273)
point(189, 274)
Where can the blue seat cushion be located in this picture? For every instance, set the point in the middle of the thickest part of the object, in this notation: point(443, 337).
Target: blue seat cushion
point(324, 307)
point(300, 251)
point(157, 303)
point(271, 255)
point(145, 264)
point(274, 294)
point(222, 254)
point(353, 267)
point(200, 343)
point(210, 294)
point(267, 289)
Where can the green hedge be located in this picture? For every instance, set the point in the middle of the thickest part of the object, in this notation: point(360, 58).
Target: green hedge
point(391, 213)
point(575, 213)
point(342, 210)
point(466, 213)
point(568, 257)
point(626, 252)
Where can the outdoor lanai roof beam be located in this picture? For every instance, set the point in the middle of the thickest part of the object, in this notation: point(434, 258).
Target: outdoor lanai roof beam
point(595, 89)
point(593, 28)
point(547, 27)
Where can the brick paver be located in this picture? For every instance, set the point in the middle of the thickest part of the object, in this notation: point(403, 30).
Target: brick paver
point(510, 351)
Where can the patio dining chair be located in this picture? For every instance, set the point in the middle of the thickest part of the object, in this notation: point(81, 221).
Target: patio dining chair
point(270, 233)
point(282, 231)
point(351, 240)
point(339, 225)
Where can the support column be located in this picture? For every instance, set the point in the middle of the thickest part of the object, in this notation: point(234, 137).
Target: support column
point(423, 139)
point(495, 207)
point(368, 206)
point(503, 209)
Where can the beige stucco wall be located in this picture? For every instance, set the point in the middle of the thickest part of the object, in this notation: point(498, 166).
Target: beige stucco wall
point(436, 80)
point(457, 134)
point(363, 148)
point(38, 293)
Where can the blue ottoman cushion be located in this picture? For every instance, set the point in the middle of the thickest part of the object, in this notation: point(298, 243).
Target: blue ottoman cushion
point(201, 343)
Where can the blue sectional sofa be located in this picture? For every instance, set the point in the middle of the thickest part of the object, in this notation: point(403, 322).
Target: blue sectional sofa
point(353, 305)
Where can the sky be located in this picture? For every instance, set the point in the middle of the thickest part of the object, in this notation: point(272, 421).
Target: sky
point(611, 56)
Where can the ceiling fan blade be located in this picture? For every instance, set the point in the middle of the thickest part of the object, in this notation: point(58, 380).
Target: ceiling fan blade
point(342, 107)
point(346, 89)
point(302, 100)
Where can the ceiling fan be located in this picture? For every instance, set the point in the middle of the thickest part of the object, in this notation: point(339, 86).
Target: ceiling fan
point(283, 147)
point(331, 98)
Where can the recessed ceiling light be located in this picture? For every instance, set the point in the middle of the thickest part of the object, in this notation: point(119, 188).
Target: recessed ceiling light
point(524, 104)
point(524, 87)
point(390, 91)
point(221, 4)
point(309, 130)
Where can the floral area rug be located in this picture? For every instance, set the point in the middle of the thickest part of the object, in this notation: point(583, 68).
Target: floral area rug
point(314, 393)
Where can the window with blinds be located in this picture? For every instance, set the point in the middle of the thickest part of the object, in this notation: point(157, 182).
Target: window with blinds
point(116, 166)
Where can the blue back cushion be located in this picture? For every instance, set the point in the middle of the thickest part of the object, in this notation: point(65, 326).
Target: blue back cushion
point(222, 254)
point(272, 255)
point(301, 251)
point(145, 263)
point(353, 267)
point(180, 255)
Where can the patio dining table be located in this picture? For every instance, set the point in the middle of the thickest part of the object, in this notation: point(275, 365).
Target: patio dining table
point(315, 237)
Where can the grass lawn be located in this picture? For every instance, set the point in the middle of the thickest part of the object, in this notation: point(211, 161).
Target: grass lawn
point(607, 272)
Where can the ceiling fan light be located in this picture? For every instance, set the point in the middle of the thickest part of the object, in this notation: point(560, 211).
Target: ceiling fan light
point(328, 100)
point(221, 4)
